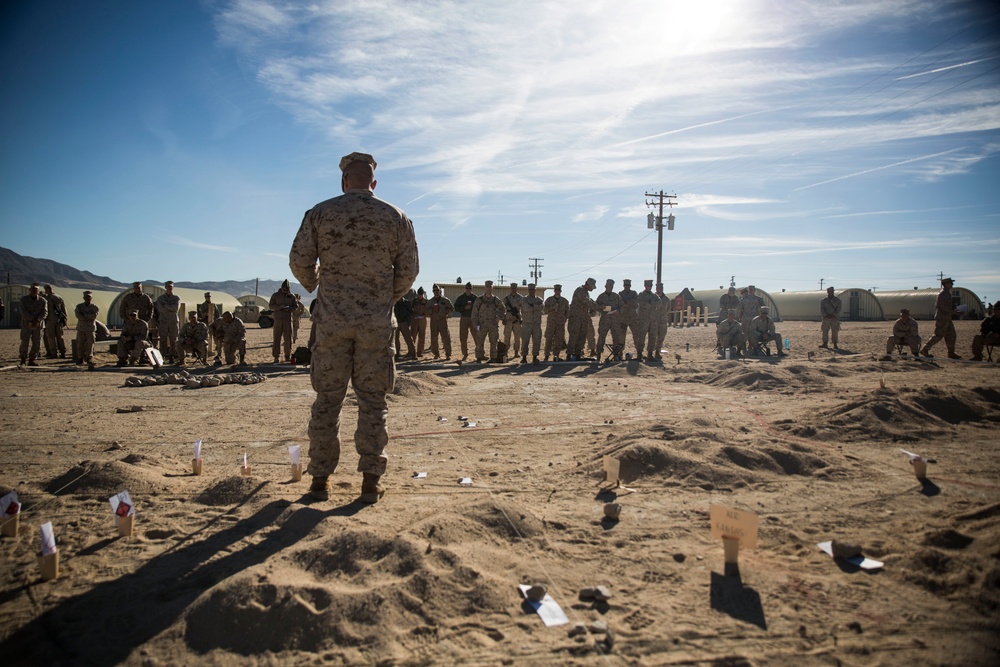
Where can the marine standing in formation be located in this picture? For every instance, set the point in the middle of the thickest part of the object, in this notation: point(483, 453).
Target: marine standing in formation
point(829, 310)
point(530, 308)
point(728, 301)
point(86, 328)
point(167, 306)
point(404, 317)
point(464, 304)
point(749, 307)
point(55, 320)
point(439, 309)
point(206, 313)
point(611, 316)
point(486, 315)
point(33, 311)
point(944, 311)
point(630, 313)
point(556, 311)
point(418, 322)
point(300, 309)
point(579, 317)
point(512, 320)
point(283, 304)
point(664, 319)
point(648, 322)
point(360, 253)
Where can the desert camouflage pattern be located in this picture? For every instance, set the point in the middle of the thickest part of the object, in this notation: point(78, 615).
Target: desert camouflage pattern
point(647, 323)
point(283, 304)
point(439, 309)
point(140, 302)
point(33, 312)
point(829, 309)
point(748, 308)
point(580, 309)
point(762, 331)
point(556, 311)
point(86, 329)
point(133, 341)
point(512, 321)
point(943, 326)
point(728, 302)
point(630, 312)
point(905, 332)
point(54, 324)
point(610, 320)
point(663, 323)
point(531, 308)
point(361, 254)
point(418, 322)
point(730, 334)
point(464, 304)
point(167, 306)
point(193, 338)
point(486, 315)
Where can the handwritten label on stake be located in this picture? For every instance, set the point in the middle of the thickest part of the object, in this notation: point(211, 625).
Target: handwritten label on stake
point(122, 504)
point(733, 523)
point(48, 539)
point(9, 505)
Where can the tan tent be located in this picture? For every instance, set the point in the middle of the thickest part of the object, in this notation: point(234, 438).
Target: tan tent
point(857, 305)
point(11, 295)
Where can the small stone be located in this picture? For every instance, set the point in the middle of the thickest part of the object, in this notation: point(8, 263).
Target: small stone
point(845, 549)
point(577, 629)
point(680, 558)
point(598, 627)
point(536, 592)
point(612, 510)
point(602, 593)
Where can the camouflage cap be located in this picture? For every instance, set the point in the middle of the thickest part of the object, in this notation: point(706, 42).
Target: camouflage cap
point(591, 281)
point(531, 285)
point(208, 294)
point(87, 293)
point(627, 281)
point(192, 313)
point(557, 287)
point(947, 280)
point(137, 284)
point(357, 157)
point(765, 309)
point(169, 282)
point(468, 285)
point(648, 283)
point(609, 282)
point(285, 285)
point(489, 283)
point(904, 311)
point(34, 285)
point(732, 289)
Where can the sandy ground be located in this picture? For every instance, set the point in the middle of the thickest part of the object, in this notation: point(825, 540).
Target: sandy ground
point(227, 569)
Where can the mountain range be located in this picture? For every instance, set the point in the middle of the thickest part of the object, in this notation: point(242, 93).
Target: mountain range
point(18, 269)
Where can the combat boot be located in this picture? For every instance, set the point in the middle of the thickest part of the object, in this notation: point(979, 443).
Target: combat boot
point(371, 492)
point(23, 361)
point(320, 488)
point(524, 360)
point(31, 362)
point(534, 360)
point(926, 352)
point(952, 355)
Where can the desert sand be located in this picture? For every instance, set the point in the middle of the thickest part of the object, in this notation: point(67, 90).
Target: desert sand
point(230, 569)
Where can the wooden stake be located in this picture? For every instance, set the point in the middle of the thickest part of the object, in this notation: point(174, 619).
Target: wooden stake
point(731, 545)
point(296, 472)
point(10, 526)
point(125, 525)
point(49, 566)
point(196, 466)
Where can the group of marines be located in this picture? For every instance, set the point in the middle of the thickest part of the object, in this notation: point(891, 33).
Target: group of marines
point(745, 325)
point(645, 314)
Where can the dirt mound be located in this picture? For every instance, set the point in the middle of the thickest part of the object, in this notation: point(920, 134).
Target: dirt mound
point(352, 595)
point(904, 415)
point(108, 478)
point(500, 522)
point(228, 491)
point(420, 382)
point(801, 377)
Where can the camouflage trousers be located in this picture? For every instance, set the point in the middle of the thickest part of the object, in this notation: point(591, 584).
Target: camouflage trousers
point(169, 329)
point(491, 331)
point(32, 335)
point(830, 328)
point(281, 336)
point(365, 360)
point(464, 327)
point(555, 336)
point(607, 324)
point(85, 345)
point(943, 328)
point(578, 325)
point(512, 329)
point(531, 336)
point(233, 348)
point(54, 343)
point(439, 327)
point(645, 335)
point(195, 346)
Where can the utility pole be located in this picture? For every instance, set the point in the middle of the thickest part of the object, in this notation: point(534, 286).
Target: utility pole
point(821, 284)
point(535, 266)
point(732, 281)
point(656, 221)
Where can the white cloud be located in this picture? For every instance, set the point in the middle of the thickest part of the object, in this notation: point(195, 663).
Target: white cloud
point(178, 240)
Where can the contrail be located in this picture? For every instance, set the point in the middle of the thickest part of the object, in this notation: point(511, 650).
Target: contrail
point(888, 166)
point(695, 127)
point(945, 69)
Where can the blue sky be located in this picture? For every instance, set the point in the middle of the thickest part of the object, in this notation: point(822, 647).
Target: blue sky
point(854, 142)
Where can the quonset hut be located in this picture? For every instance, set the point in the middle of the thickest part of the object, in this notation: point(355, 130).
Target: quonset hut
point(710, 298)
point(857, 305)
point(921, 303)
point(190, 298)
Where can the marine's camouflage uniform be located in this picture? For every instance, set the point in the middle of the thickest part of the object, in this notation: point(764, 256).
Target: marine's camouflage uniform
point(943, 326)
point(55, 320)
point(439, 309)
point(579, 320)
point(663, 315)
point(487, 312)
point(512, 322)
point(193, 337)
point(630, 314)
point(648, 323)
point(33, 311)
point(141, 302)
point(762, 332)
point(283, 304)
point(556, 311)
point(906, 332)
point(829, 310)
point(132, 341)
point(367, 254)
point(86, 329)
point(748, 308)
point(167, 306)
point(610, 320)
point(234, 340)
point(730, 334)
point(530, 308)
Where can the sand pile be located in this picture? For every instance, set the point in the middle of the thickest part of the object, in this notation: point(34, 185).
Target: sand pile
point(354, 594)
point(229, 491)
point(806, 379)
point(420, 382)
point(133, 473)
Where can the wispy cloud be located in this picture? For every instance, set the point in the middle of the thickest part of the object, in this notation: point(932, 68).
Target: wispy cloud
point(874, 169)
point(179, 240)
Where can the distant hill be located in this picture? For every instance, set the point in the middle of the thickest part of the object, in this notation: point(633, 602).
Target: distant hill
point(26, 270)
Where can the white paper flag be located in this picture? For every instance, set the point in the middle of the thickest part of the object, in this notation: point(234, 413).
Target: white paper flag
point(197, 449)
point(244, 459)
point(294, 451)
point(122, 504)
point(48, 539)
point(9, 505)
